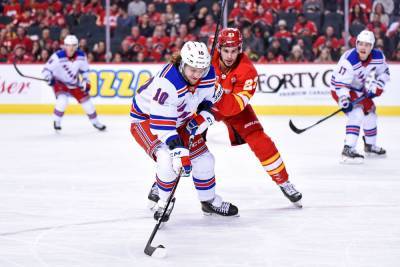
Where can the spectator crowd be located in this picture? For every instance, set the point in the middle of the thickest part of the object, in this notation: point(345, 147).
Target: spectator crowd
point(150, 31)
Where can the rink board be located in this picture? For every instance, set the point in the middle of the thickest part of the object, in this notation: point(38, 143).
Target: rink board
point(305, 92)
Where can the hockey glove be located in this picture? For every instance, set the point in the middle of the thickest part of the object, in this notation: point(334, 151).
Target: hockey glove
point(180, 156)
point(219, 91)
point(345, 104)
point(50, 80)
point(375, 89)
point(85, 86)
point(200, 123)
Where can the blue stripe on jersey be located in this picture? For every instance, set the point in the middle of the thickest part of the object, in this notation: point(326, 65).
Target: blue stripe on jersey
point(175, 77)
point(164, 128)
point(353, 57)
point(61, 54)
point(133, 115)
point(80, 53)
point(135, 105)
point(376, 54)
point(157, 117)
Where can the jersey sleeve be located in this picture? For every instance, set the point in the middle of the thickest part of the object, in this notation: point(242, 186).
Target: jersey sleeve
point(163, 110)
point(49, 67)
point(243, 90)
point(382, 74)
point(342, 77)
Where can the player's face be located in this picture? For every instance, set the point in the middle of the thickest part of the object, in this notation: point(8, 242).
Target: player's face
point(229, 55)
point(70, 49)
point(193, 75)
point(363, 50)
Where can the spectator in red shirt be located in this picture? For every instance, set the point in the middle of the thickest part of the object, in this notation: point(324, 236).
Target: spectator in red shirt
point(112, 19)
point(271, 57)
point(160, 40)
point(19, 55)
point(25, 19)
point(292, 6)
point(12, 9)
point(242, 14)
point(275, 5)
point(376, 23)
point(283, 32)
point(357, 15)
point(99, 52)
point(136, 40)
point(154, 16)
point(321, 40)
point(22, 39)
point(184, 34)
point(262, 17)
point(365, 5)
point(94, 8)
point(208, 28)
point(304, 27)
point(75, 8)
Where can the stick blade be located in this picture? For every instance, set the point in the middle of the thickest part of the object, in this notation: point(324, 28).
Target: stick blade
point(294, 128)
point(157, 252)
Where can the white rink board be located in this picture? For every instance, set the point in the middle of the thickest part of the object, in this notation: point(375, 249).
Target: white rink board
point(307, 84)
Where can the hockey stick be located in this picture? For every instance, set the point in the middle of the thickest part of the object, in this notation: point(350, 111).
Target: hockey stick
point(223, 2)
point(160, 251)
point(273, 91)
point(299, 131)
point(27, 76)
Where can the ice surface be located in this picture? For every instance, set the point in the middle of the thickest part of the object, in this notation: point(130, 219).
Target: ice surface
point(78, 198)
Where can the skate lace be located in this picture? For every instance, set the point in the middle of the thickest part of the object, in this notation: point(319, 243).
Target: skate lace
point(224, 207)
point(289, 189)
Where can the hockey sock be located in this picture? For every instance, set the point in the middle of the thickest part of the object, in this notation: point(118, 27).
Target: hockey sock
point(268, 155)
point(90, 111)
point(354, 120)
point(370, 128)
point(60, 106)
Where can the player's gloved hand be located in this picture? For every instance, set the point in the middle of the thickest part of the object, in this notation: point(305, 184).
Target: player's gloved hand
point(85, 86)
point(375, 89)
point(181, 160)
point(345, 104)
point(179, 155)
point(50, 80)
point(200, 123)
point(219, 91)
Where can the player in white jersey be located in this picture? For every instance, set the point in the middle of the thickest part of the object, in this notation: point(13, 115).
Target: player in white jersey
point(164, 111)
point(349, 82)
point(62, 71)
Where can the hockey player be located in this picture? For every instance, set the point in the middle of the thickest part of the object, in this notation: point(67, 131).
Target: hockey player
point(160, 112)
point(349, 83)
point(62, 72)
point(238, 78)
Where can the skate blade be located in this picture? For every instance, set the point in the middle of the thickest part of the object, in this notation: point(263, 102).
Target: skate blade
point(374, 155)
point(152, 205)
point(350, 161)
point(211, 214)
point(298, 204)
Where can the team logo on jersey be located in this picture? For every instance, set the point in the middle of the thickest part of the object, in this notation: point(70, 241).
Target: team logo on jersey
point(233, 80)
point(223, 76)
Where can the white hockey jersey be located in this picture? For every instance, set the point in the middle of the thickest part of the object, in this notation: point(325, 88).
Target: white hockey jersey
point(168, 101)
point(67, 71)
point(351, 74)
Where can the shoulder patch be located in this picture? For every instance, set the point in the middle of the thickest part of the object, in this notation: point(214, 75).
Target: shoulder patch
point(376, 54)
point(352, 57)
point(61, 54)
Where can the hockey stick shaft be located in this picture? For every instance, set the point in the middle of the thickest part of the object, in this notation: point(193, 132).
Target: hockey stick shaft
point(149, 249)
point(299, 131)
point(223, 3)
point(27, 76)
point(275, 90)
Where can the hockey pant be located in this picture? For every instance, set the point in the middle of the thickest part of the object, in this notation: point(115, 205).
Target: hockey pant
point(62, 93)
point(201, 159)
point(246, 128)
point(362, 115)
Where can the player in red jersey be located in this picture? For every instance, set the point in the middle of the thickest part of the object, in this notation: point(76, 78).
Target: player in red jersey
point(238, 78)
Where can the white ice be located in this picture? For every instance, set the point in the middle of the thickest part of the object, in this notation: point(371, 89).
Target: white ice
point(78, 198)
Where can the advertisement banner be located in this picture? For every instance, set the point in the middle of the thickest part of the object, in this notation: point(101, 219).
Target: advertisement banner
point(113, 85)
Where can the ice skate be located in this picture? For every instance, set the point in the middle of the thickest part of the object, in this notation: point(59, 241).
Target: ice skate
point(99, 126)
point(218, 207)
point(153, 197)
point(291, 193)
point(373, 151)
point(57, 125)
point(351, 156)
point(160, 209)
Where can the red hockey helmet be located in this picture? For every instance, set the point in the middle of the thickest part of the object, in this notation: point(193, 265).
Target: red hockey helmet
point(230, 37)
